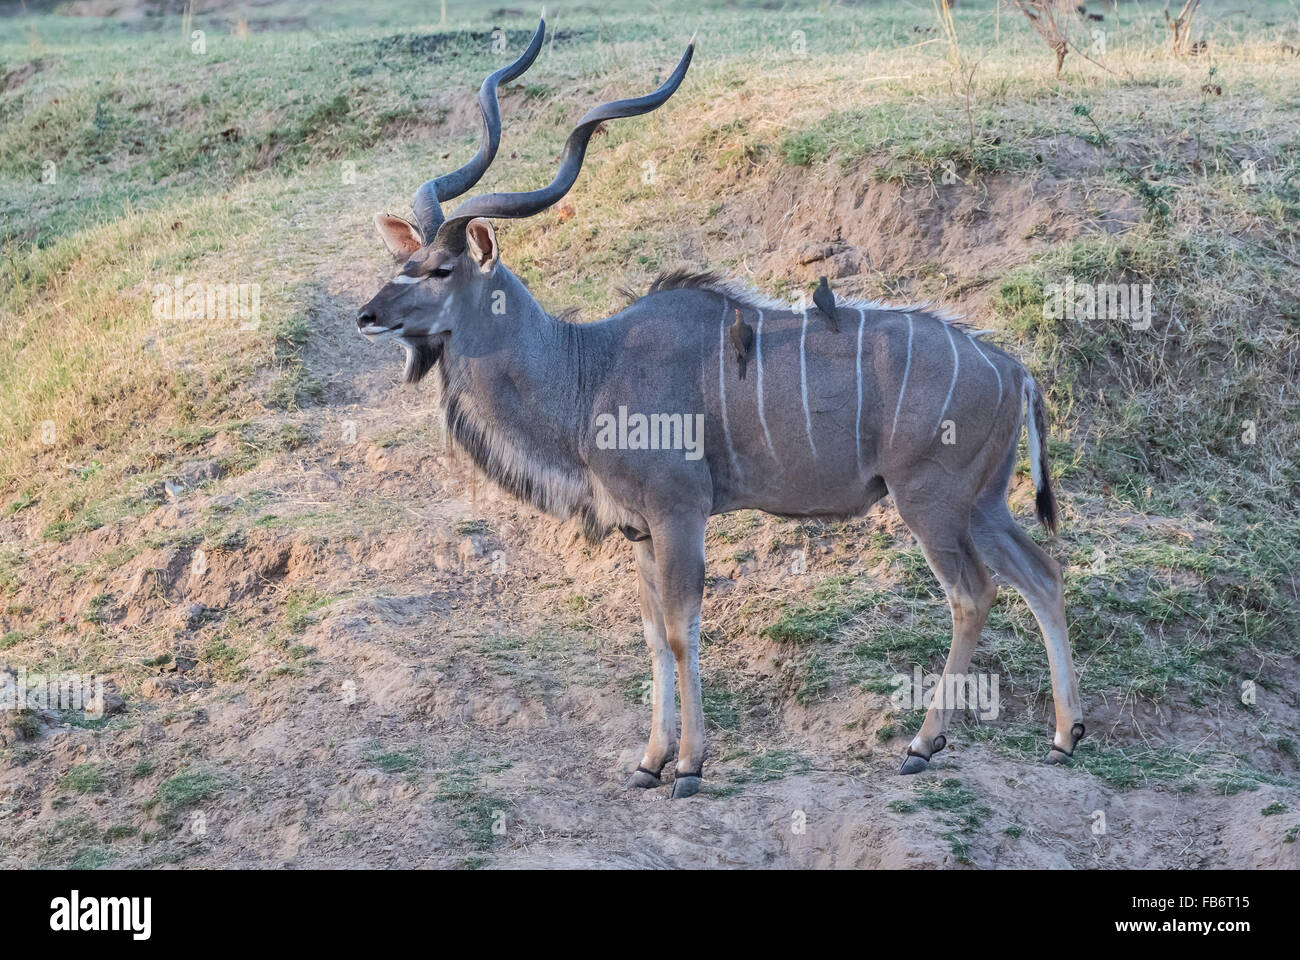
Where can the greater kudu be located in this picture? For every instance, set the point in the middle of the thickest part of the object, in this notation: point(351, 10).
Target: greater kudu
point(899, 401)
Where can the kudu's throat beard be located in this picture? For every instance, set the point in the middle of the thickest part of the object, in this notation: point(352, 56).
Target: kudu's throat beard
point(422, 355)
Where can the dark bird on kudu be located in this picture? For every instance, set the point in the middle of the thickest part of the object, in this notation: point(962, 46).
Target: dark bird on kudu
point(742, 338)
point(825, 301)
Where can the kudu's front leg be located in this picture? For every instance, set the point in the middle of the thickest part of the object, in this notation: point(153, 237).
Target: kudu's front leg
point(662, 740)
point(679, 549)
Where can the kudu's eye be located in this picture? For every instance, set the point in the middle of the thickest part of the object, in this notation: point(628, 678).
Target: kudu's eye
point(441, 272)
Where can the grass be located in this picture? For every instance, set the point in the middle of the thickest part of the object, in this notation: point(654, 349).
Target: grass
point(770, 765)
point(186, 789)
point(83, 778)
point(301, 606)
point(225, 660)
point(832, 605)
point(395, 761)
point(91, 859)
point(957, 809)
point(481, 816)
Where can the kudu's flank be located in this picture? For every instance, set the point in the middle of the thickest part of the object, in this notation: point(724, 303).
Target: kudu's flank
point(900, 401)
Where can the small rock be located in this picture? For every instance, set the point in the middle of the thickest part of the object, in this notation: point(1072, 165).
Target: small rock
point(186, 658)
point(813, 252)
point(195, 473)
point(158, 688)
point(470, 548)
point(189, 614)
point(106, 704)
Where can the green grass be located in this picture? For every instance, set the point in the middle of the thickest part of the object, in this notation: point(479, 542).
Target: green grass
point(142, 768)
point(483, 817)
point(395, 761)
point(91, 859)
point(770, 765)
point(225, 660)
point(957, 809)
point(833, 603)
point(83, 778)
point(301, 607)
point(187, 789)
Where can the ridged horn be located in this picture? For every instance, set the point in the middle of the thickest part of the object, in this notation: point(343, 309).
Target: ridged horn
point(451, 234)
point(427, 204)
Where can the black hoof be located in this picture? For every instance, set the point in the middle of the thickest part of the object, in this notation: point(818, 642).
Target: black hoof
point(642, 779)
point(1062, 756)
point(685, 785)
point(1058, 756)
point(913, 763)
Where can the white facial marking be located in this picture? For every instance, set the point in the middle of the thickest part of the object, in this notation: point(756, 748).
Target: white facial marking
point(404, 279)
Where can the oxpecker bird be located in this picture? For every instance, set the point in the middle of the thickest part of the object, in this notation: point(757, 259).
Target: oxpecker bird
point(825, 301)
point(742, 338)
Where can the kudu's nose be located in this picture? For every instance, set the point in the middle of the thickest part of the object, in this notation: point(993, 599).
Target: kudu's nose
point(365, 317)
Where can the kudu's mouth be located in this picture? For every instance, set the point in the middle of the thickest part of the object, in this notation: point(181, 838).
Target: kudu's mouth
point(423, 350)
point(377, 332)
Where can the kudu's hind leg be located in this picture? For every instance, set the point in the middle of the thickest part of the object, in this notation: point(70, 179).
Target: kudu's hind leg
point(662, 741)
point(679, 548)
point(951, 553)
point(1010, 551)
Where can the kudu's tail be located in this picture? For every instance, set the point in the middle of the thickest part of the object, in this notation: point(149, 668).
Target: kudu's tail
point(1044, 499)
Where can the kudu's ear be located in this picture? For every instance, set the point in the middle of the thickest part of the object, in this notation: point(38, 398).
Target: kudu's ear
point(481, 241)
point(399, 236)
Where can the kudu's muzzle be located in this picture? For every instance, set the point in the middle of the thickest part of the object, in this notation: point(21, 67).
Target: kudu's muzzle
point(369, 322)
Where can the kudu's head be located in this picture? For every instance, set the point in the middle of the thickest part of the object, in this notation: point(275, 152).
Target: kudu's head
point(449, 263)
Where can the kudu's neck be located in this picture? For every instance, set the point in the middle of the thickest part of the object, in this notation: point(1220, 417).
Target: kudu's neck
point(516, 394)
point(518, 363)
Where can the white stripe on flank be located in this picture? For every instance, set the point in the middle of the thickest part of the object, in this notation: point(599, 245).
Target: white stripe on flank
point(996, 372)
point(956, 364)
point(907, 367)
point(758, 356)
point(857, 424)
point(722, 387)
point(803, 381)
